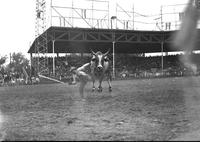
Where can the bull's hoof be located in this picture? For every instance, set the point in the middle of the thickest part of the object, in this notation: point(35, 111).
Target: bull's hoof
point(110, 89)
point(100, 89)
point(93, 89)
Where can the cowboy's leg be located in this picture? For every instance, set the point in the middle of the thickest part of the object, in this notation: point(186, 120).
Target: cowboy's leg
point(81, 88)
point(74, 78)
point(84, 78)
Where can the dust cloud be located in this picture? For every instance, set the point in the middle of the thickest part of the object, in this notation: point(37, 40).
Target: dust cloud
point(186, 38)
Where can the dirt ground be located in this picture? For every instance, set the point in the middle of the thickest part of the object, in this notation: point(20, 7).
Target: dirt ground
point(148, 109)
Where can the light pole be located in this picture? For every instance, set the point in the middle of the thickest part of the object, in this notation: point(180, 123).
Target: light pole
point(53, 58)
point(162, 38)
point(162, 44)
point(113, 44)
point(113, 59)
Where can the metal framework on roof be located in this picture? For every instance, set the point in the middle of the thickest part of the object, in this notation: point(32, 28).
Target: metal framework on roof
point(87, 13)
point(97, 14)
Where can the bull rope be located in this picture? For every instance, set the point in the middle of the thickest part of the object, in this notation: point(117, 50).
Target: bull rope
point(51, 79)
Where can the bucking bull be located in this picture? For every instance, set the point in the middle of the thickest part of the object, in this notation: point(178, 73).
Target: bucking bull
point(97, 69)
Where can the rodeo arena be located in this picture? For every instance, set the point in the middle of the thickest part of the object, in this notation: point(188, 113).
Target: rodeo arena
point(102, 71)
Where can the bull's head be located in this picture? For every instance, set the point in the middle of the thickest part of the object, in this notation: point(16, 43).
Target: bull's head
point(99, 60)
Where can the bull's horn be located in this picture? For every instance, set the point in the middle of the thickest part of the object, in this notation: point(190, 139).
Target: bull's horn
point(107, 52)
point(93, 52)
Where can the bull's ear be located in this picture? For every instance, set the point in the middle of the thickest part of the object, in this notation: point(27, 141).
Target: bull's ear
point(107, 52)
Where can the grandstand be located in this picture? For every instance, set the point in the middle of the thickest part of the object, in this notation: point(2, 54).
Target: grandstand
point(66, 37)
point(136, 66)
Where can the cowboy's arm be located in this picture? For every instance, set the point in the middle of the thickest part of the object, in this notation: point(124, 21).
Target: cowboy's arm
point(83, 67)
point(82, 71)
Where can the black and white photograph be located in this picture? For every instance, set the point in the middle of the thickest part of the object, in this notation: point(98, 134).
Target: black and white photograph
point(100, 70)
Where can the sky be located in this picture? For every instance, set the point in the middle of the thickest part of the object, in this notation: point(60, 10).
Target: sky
point(17, 26)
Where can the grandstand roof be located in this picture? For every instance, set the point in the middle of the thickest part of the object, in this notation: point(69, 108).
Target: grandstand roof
point(82, 40)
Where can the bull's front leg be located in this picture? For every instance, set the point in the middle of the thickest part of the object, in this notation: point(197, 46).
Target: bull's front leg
point(109, 78)
point(100, 89)
point(93, 82)
point(109, 84)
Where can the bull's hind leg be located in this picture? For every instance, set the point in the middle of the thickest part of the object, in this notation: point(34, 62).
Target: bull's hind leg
point(109, 78)
point(109, 84)
point(93, 86)
point(81, 88)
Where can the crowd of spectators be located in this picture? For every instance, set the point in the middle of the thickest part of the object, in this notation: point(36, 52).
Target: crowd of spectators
point(127, 66)
point(152, 66)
